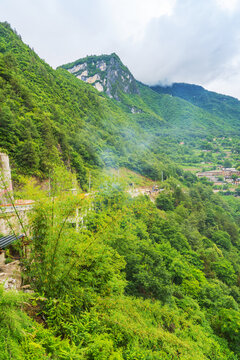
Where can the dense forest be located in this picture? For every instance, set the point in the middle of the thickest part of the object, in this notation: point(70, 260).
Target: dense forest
point(138, 279)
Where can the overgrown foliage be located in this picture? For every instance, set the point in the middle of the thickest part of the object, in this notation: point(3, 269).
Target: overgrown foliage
point(138, 282)
point(114, 276)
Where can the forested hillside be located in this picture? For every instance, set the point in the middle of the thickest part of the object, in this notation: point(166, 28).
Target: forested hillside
point(138, 281)
point(226, 107)
point(139, 278)
point(49, 117)
point(202, 112)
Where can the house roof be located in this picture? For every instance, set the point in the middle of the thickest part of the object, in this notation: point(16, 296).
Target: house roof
point(7, 240)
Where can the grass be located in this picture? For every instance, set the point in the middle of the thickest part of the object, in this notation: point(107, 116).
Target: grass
point(127, 177)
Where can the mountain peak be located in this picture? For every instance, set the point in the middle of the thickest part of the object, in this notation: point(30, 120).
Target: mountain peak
point(106, 73)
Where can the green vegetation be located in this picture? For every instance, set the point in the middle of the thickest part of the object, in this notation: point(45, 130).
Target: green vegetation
point(23, 338)
point(134, 279)
point(225, 107)
point(49, 117)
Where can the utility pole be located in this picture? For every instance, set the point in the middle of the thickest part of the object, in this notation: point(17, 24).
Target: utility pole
point(77, 219)
point(49, 184)
point(89, 182)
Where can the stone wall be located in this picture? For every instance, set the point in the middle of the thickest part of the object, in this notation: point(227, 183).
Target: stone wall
point(10, 224)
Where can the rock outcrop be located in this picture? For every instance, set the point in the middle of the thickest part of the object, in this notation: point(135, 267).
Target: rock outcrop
point(10, 275)
point(106, 73)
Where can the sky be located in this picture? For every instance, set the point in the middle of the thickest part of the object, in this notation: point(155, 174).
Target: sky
point(160, 41)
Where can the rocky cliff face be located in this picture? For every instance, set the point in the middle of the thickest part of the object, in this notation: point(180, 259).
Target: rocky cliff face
point(106, 73)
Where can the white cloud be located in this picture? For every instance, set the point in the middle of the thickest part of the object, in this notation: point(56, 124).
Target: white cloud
point(130, 18)
point(159, 40)
point(229, 5)
point(196, 44)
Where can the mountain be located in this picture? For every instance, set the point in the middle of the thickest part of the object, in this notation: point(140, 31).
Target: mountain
point(224, 106)
point(106, 73)
point(49, 117)
point(52, 116)
point(186, 110)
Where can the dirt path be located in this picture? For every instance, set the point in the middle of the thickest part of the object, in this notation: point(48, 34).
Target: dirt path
point(10, 275)
point(149, 191)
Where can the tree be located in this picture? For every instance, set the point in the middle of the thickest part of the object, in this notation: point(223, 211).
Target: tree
point(225, 271)
point(222, 239)
point(237, 191)
point(234, 177)
point(28, 155)
point(165, 202)
point(227, 324)
point(63, 259)
point(227, 163)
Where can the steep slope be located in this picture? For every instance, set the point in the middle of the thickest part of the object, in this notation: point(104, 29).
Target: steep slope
point(106, 73)
point(48, 117)
point(182, 115)
point(183, 118)
point(224, 106)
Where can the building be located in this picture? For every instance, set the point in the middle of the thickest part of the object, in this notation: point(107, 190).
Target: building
point(213, 175)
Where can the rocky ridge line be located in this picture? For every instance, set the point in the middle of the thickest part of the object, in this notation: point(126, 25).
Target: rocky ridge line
point(106, 73)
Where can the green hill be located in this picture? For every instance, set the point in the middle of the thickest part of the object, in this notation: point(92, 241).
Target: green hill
point(48, 117)
point(182, 118)
point(226, 107)
point(185, 109)
point(140, 279)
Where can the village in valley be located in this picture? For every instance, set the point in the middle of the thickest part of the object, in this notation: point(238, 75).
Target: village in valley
point(221, 177)
point(216, 161)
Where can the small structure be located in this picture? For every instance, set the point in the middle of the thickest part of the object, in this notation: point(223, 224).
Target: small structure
point(5, 241)
point(9, 239)
point(213, 175)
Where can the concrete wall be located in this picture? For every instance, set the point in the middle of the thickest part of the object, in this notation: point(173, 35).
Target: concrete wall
point(9, 222)
point(5, 179)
